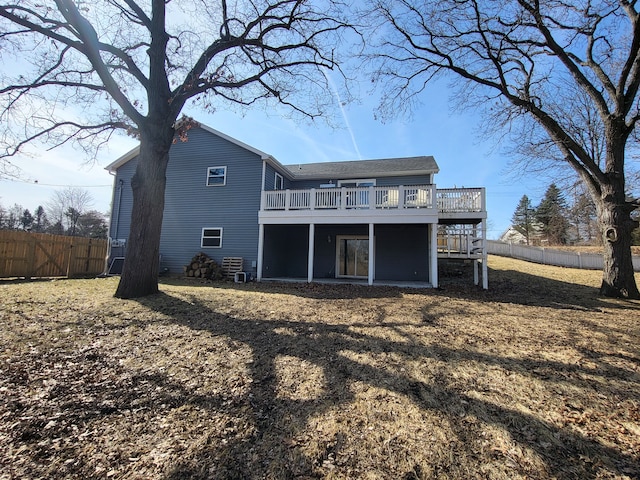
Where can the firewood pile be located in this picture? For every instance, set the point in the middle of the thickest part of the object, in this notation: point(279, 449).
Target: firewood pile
point(201, 266)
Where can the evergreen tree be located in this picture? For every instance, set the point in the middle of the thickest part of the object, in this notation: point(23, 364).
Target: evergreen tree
point(73, 215)
point(584, 218)
point(523, 218)
point(552, 216)
point(26, 220)
point(93, 224)
point(40, 220)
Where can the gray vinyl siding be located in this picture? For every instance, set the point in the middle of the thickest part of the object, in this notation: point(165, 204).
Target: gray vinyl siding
point(270, 176)
point(286, 249)
point(191, 205)
point(122, 204)
point(324, 262)
point(402, 252)
point(404, 180)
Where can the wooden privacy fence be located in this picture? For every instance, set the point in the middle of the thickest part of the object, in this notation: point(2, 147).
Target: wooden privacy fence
point(24, 254)
point(549, 256)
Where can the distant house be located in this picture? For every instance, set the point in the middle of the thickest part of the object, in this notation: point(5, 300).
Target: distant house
point(373, 221)
point(511, 235)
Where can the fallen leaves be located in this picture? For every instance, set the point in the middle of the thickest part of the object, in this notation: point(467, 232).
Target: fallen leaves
point(320, 381)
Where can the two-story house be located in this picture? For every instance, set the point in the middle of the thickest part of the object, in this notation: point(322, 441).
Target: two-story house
point(374, 221)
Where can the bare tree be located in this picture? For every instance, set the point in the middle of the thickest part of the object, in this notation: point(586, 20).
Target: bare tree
point(13, 216)
point(66, 206)
point(554, 72)
point(144, 62)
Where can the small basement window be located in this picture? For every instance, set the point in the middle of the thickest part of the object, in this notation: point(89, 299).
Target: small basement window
point(216, 176)
point(211, 238)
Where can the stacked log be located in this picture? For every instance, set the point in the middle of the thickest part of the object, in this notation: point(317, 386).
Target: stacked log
point(201, 266)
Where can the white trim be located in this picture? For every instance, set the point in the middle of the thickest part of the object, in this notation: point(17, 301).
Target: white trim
point(372, 256)
point(433, 255)
point(339, 238)
point(209, 176)
point(312, 234)
point(202, 237)
point(275, 181)
point(260, 251)
point(264, 174)
point(348, 216)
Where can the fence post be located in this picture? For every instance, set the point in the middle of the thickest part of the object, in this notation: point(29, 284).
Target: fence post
point(72, 257)
point(31, 259)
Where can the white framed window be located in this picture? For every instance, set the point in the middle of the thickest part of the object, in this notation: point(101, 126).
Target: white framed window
point(216, 176)
point(211, 237)
point(278, 182)
point(369, 182)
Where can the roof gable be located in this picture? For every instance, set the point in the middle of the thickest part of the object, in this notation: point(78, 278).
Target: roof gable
point(389, 167)
point(133, 153)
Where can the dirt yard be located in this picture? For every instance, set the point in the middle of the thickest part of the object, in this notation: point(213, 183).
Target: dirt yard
point(537, 378)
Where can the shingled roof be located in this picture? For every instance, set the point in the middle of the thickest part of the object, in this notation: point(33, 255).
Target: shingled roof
point(364, 168)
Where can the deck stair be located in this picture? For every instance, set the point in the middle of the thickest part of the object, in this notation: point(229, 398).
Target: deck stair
point(461, 241)
point(465, 241)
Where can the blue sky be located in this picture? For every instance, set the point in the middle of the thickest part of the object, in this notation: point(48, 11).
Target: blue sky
point(464, 159)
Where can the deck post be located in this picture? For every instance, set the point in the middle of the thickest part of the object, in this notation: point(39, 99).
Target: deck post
point(312, 234)
point(260, 251)
point(433, 254)
point(312, 199)
point(371, 256)
point(476, 280)
point(472, 237)
point(485, 268)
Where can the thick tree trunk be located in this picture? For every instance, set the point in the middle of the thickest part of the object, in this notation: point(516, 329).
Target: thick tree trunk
point(615, 221)
point(142, 259)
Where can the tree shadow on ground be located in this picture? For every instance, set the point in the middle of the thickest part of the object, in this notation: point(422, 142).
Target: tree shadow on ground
point(273, 450)
point(524, 288)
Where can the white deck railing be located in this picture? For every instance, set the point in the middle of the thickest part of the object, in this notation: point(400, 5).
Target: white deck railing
point(461, 200)
point(449, 200)
point(414, 196)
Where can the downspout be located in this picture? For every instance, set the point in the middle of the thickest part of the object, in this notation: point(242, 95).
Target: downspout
point(114, 218)
point(120, 186)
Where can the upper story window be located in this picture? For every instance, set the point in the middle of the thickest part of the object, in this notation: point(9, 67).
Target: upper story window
point(216, 176)
point(278, 182)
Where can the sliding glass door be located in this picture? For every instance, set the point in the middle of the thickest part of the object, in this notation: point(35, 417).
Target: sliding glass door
point(352, 256)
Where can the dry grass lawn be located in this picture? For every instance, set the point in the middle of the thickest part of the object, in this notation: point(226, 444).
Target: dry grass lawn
point(536, 378)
